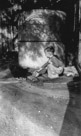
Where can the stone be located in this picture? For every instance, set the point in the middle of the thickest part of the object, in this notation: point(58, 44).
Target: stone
point(37, 32)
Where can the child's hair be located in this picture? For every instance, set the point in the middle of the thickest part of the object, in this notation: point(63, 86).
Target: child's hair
point(50, 49)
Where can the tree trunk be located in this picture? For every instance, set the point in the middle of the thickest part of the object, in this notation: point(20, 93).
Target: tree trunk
point(79, 48)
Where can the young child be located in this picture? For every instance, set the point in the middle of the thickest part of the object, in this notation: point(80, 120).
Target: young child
point(54, 65)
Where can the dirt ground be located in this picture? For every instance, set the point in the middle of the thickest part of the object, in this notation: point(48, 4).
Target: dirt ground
point(38, 109)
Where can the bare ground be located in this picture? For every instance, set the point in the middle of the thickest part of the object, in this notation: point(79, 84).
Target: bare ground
point(37, 109)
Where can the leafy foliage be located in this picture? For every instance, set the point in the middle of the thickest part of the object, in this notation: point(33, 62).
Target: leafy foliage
point(14, 12)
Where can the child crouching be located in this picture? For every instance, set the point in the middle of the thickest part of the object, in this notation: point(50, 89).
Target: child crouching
point(54, 65)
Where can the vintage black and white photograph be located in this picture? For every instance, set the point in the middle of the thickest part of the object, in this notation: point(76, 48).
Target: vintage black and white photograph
point(40, 67)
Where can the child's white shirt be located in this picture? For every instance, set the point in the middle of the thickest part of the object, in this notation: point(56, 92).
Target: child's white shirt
point(54, 68)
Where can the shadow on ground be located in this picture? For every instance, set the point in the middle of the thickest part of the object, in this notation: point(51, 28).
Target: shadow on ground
point(72, 120)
